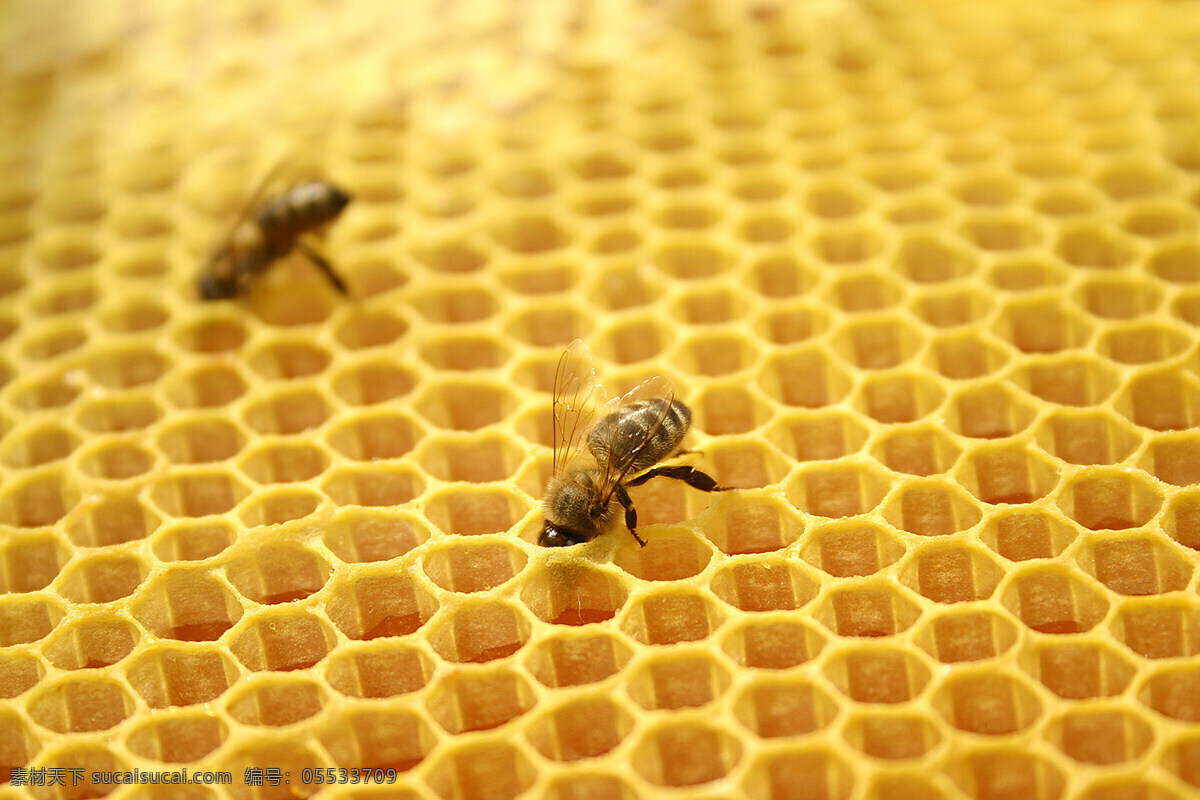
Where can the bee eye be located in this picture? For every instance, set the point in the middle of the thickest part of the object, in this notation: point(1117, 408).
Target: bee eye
point(553, 537)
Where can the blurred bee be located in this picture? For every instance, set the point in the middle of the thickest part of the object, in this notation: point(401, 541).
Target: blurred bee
point(638, 431)
point(260, 236)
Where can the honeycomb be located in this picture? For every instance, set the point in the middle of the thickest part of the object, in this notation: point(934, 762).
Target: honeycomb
point(927, 272)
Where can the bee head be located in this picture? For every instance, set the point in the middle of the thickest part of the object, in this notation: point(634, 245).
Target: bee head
point(337, 199)
point(216, 287)
point(554, 536)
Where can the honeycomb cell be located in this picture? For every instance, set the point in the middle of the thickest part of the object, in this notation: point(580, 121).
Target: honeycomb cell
point(1004, 773)
point(1172, 692)
point(377, 739)
point(1040, 326)
point(476, 459)
point(365, 330)
point(815, 771)
point(186, 605)
point(681, 680)
point(472, 511)
point(277, 573)
point(19, 672)
point(288, 412)
point(671, 616)
point(576, 660)
point(480, 700)
point(198, 493)
point(372, 606)
point(866, 611)
point(818, 436)
point(958, 636)
point(917, 450)
point(375, 672)
point(837, 491)
point(785, 323)
point(480, 632)
point(372, 436)
point(200, 439)
point(192, 541)
point(1025, 274)
point(1048, 599)
point(925, 258)
point(1118, 297)
point(772, 708)
point(950, 309)
point(79, 704)
point(465, 406)
point(37, 500)
point(180, 738)
point(285, 360)
point(55, 341)
point(1006, 474)
point(211, 335)
point(1160, 400)
point(27, 447)
point(843, 244)
point(134, 317)
point(110, 520)
point(467, 567)
point(1143, 343)
point(877, 674)
point(1158, 629)
point(689, 259)
point(364, 535)
point(370, 382)
point(275, 702)
point(685, 754)
point(1101, 499)
point(780, 276)
point(990, 702)
point(1093, 246)
point(1155, 219)
point(851, 549)
point(664, 558)
point(115, 415)
point(930, 507)
point(282, 641)
point(636, 340)
point(484, 770)
point(1175, 262)
point(115, 461)
point(898, 397)
point(951, 574)
point(1086, 437)
point(1100, 736)
point(205, 387)
point(1137, 565)
point(991, 411)
point(1078, 671)
point(101, 578)
point(373, 486)
point(763, 585)
point(1023, 535)
point(553, 278)
point(893, 737)
point(18, 744)
point(29, 563)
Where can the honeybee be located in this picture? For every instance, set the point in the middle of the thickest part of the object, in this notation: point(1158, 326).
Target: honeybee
point(259, 236)
point(639, 430)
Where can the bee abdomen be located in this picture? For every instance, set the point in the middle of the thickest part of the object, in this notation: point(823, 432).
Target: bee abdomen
point(631, 429)
point(300, 209)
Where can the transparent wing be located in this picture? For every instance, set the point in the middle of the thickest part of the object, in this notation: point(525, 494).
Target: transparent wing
point(627, 441)
point(574, 406)
point(247, 209)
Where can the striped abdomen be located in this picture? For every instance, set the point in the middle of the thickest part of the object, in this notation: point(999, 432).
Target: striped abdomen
point(286, 217)
point(633, 435)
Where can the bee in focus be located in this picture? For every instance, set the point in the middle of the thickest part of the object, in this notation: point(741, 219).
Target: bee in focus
point(263, 234)
point(640, 430)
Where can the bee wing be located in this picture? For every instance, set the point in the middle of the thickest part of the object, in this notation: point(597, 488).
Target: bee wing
point(574, 406)
point(627, 442)
point(247, 208)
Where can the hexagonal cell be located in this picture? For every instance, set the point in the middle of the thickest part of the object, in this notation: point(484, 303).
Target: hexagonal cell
point(18, 744)
point(1100, 736)
point(376, 485)
point(392, 739)
point(567, 593)
point(288, 412)
point(872, 609)
point(307, 300)
point(201, 439)
point(634, 340)
point(1102, 499)
point(772, 707)
point(1135, 565)
point(366, 671)
point(480, 632)
point(987, 701)
point(211, 334)
point(1086, 437)
point(989, 412)
point(865, 290)
point(193, 541)
point(1173, 692)
point(877, 343)
point(284, 462)
point(549, 326)
point(91, 642)
point(1094, 246)
point(725, 410)
point(282, 640)
point(363, 535)
point(819, 436)
point(473, 511)
point(931, 507)
point(1158, 628)
point(892, 737)
point(277, 506)
point(467, 567)
point(31, 446)
point(966, 357)
point(1022, 535)
point(371, 437)
point(1163, 400)
point(1078, 670)
point(957, 636)
point(1173, 458)
point(482, 770)
point(178, 737)
point(585, 727)
point(1175, 261)
point(284, 360)
point(781, 276)
point(125, 368)
point(846, 243)
point(465, 406)
point(664, 558)
point(749, 525)
point(370, 382)
point(375, 328)
point(778, 774)
point(187, 605)
point(685, 679)
point(575, 660)
point(276, 700)
point(19, 672)
point(452, 256)
point(551, 278)
point(473, 458)
point(847, 549)
point(1026, 273)
point(1068, 381)
point(102, 578)
point(1143, 343)
point(764, 584)
point(278, 573)
point(114, 415)
point(898, 397)
point(1006, 474)
point(80, 704)
point(115, 461)
point(372, 606)
point(462, 353)
point(1005, 772)
point(791, 323)
point(927, 258)
point(29, 563)
point(479, 700)
point(715, 304)
point(1118, 297)
point(916, 450)
point(1050, 599)
point(837, 491)
point(951, 574)
point(685, 754)
point(205, 386)
point(808, 378)
point(51, 340)
point(37, 499)
point(198, 493)
point(669, 617)
point(877, 674)
point(111, 520)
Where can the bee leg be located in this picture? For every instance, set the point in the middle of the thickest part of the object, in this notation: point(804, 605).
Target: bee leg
point(630, 513)
point(689, 475)
point(323, 265)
